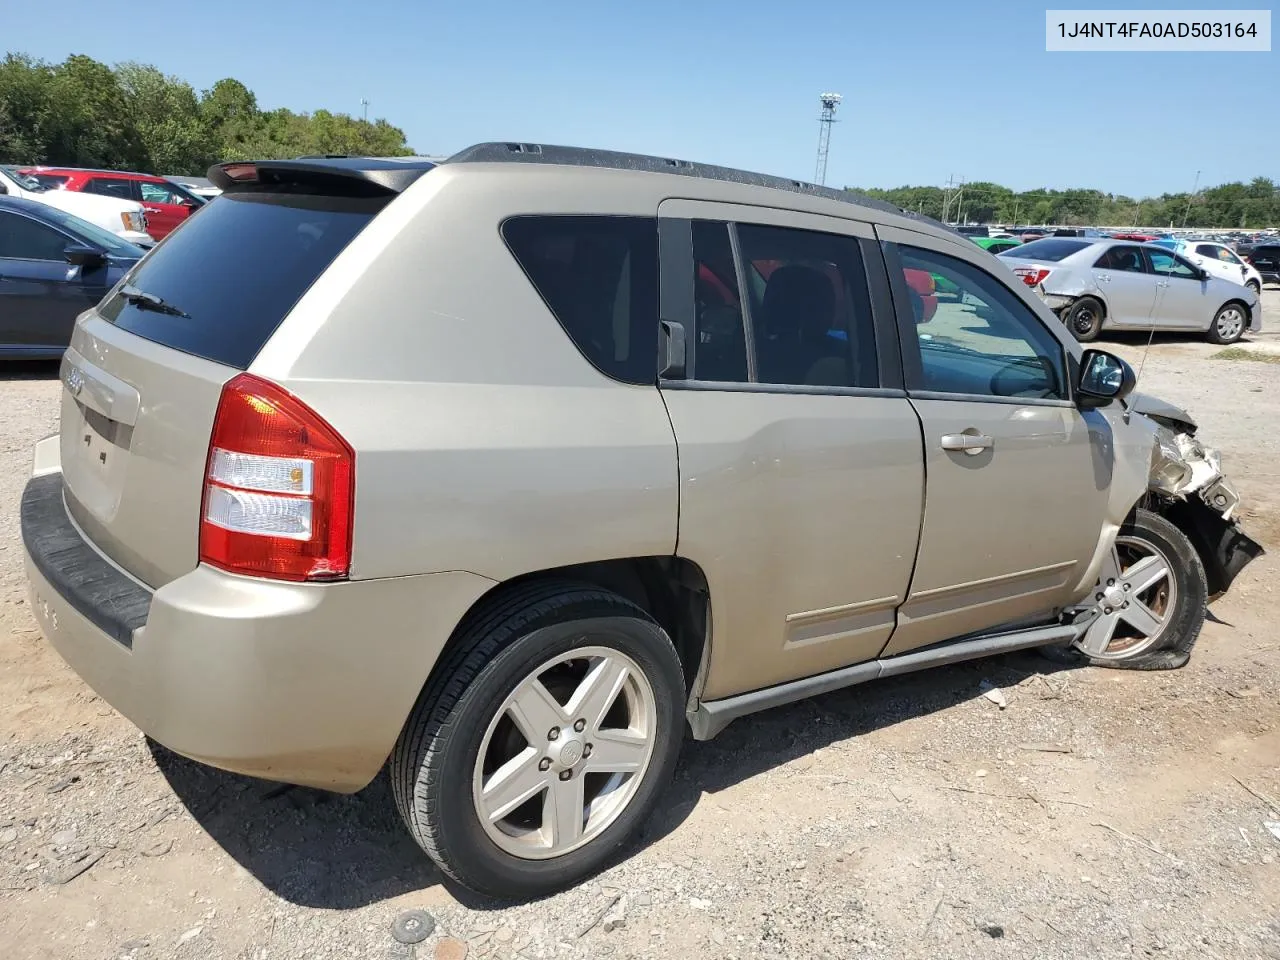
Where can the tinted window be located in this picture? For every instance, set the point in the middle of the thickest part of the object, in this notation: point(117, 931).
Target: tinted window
point(810, 311)
point(25, 239)
point(985, 341)
point(110, 187)
point(237, 270)
point(1169, 265)
point(599, 276)
point(1127, 259)
point(722, 345)
point(1051, 249)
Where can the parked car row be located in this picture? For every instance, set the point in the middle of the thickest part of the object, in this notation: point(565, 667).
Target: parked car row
point(166, 204)
point(117, 215)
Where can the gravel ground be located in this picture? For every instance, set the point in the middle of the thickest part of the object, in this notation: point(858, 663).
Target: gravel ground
point(1101, 813)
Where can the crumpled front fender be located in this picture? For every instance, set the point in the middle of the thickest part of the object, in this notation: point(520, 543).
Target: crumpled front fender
point(1189, 488)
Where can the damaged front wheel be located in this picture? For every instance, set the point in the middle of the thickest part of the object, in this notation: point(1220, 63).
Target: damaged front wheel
point(1149, 603)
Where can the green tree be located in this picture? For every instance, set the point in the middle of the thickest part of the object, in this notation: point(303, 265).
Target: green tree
point(25, 108)
point(89, 123)
point(167, 115)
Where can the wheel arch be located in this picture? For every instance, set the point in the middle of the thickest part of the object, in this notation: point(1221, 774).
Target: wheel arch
point(671, 589)
point(1248, 311)
point(1224, 550)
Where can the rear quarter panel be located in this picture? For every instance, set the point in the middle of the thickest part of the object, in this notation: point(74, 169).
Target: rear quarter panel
point(484, 440)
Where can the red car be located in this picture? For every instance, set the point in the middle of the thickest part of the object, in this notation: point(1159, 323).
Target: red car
point(165, 204)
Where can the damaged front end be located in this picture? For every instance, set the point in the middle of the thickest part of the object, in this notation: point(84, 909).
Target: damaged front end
point(1187, 486)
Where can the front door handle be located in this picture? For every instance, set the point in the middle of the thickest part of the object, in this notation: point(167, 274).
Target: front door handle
point(970, 443)
point(153, 210)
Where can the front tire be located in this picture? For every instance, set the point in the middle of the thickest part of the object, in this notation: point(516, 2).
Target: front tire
point(1255, 286)
point(1228, 324)
point(1150, 599)
point(544, 741)
point(1084, 319)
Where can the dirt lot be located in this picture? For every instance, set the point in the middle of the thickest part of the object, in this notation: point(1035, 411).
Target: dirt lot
point(1102, 813)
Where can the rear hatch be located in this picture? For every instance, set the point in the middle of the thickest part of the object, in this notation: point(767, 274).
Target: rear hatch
point(145, 371)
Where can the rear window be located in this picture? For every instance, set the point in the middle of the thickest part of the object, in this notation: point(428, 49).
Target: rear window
point(1051, 249)
point(236, 269)
point(599, 276)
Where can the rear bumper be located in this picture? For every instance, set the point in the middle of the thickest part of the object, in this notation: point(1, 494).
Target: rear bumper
point(305, 683)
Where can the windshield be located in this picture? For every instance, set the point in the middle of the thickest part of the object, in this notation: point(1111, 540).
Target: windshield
point(1051, 249)
point(24, 181)
point(108, 241)
point(236, 270)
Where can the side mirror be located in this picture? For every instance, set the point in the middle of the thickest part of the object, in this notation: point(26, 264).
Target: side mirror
point(82, 255)
point(1103, 377)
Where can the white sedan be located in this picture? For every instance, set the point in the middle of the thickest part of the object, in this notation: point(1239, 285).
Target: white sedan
point(1218, 259)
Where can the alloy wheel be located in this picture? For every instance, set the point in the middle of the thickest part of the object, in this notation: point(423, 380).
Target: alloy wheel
point(1135, 598)
point(565, 753)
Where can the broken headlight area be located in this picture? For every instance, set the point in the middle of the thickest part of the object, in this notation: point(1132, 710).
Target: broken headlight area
point(1182, 466)
point(1186, 478)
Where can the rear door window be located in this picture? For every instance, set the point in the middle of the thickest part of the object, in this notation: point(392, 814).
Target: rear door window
point(236, 271)
point(599, 276)
point(1125, 259)
point(111, 187)
point(810, 309)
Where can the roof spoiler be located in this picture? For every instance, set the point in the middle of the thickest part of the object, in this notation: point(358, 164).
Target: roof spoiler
point(347, 176)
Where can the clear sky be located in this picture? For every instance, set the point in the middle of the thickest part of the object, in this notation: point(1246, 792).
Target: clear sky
point(931, 88)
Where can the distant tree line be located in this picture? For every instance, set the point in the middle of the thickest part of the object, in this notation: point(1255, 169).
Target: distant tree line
point(1230, 205)
point(82, 113)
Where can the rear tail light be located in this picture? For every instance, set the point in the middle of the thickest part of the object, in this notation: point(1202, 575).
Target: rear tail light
point(278, 487)
point(1031, 276)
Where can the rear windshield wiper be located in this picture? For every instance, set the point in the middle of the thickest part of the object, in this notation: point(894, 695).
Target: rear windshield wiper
point(149, 301)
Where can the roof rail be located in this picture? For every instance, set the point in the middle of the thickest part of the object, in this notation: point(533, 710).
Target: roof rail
point(498, 152)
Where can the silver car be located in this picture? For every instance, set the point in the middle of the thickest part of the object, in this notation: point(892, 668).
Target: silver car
point(1096, 285)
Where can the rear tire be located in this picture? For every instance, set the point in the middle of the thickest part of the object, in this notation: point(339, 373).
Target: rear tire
point(1229, 323)
point(1084, 319)
point(470, 729)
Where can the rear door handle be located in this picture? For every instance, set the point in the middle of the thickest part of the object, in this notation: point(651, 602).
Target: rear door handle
point(153, 210)
point(970, 443)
